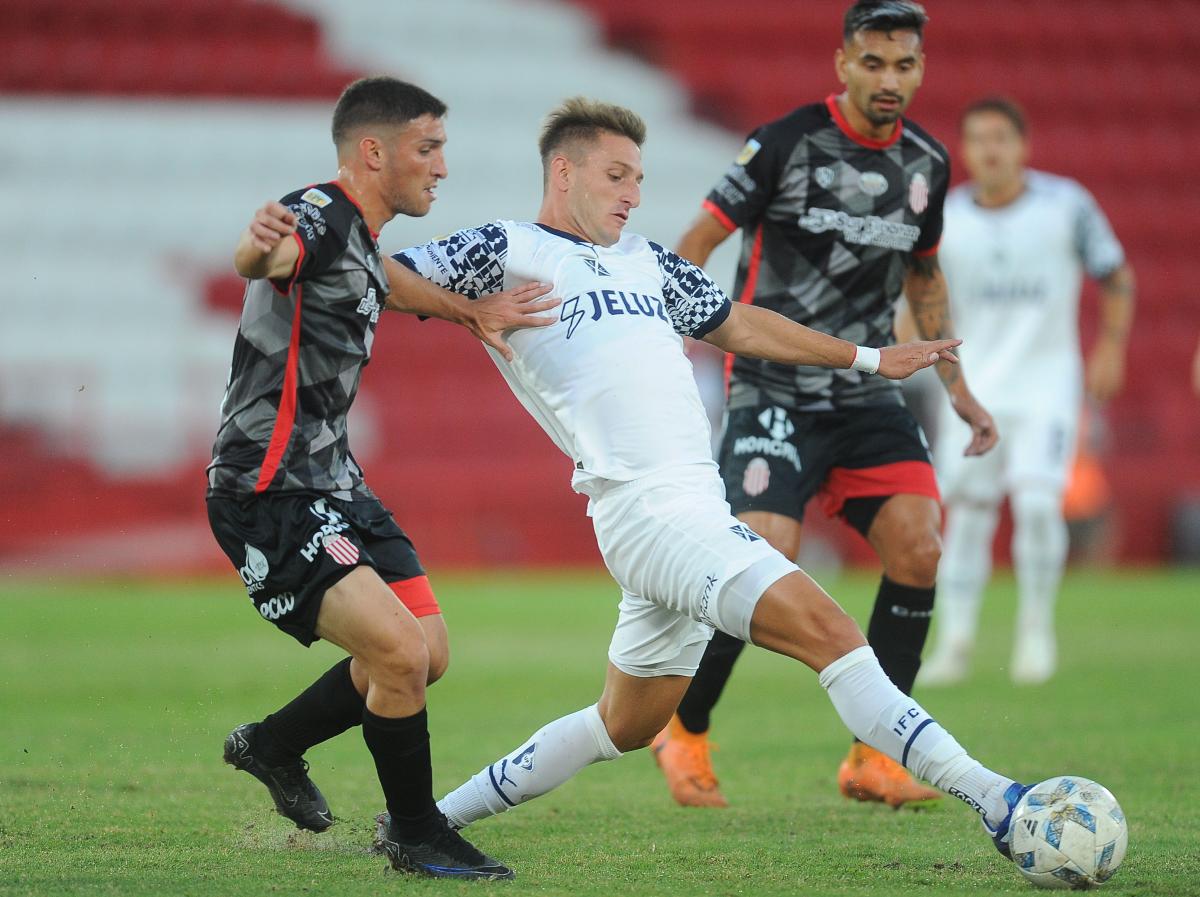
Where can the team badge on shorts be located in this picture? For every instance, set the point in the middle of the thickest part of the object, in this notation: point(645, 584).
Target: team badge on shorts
point(757, 477)
point(918, 193)
point(342, 550)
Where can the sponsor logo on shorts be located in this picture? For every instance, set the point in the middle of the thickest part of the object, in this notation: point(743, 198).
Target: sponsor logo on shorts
point(275, 607)
point(255, 570)
point(757, 477)
point(334, 524)
point(776, 422)
point(761, 445)
point(744, 532)
point(341, 550)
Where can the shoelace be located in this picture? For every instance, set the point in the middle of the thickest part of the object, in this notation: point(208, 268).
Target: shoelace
point(295, 775)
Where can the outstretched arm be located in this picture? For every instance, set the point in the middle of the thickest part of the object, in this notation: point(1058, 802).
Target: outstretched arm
point(925, 289)
point(760, 333)
point(487, 317)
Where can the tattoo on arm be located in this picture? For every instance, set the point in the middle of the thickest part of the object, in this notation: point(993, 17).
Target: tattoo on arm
point(925, 288)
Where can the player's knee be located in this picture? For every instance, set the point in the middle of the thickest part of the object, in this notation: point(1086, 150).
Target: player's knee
point(632, 734)
point(401, 665)
point(916, 563)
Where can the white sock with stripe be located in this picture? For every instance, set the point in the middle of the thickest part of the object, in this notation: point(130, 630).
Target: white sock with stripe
point(884, 717)
point(540, 764)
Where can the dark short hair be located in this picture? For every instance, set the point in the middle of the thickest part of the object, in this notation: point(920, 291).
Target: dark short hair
point(884, 15)
point(381, 100)
point(581, 119)
point(1010, 109)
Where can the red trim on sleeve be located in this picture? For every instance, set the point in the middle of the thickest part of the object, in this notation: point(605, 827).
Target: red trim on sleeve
point(747, 296)
point(291, 281)
point(897, 478)
point(925, 253)
point(848, 129)
point(717, 212)
point(417, 595)
point(285, 417)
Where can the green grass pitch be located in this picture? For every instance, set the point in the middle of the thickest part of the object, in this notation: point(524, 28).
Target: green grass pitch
point(115, 697)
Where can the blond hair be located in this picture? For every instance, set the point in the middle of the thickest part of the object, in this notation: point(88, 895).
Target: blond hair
point(580, 119)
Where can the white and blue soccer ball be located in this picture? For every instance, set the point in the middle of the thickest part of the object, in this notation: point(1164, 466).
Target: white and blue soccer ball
point(1068, 832)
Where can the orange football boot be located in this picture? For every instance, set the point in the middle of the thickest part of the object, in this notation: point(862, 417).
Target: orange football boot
point(868, 775)
point(684, 759)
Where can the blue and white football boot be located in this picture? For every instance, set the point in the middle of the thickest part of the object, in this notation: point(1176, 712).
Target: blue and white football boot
point(1001, 834)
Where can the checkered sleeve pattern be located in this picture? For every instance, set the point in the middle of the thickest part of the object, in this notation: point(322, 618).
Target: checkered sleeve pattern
point(695, 304)
point(470, 262)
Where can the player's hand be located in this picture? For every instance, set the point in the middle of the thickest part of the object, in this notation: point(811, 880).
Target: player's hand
point(516, 309)
point(1105, 373)
point(904, 360)
point(984, 434)
point(270, 224)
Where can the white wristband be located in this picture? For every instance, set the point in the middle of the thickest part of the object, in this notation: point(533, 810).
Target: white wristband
point(866, 359)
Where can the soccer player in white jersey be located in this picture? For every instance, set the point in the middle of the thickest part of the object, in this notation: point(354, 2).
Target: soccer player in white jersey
point(1016, 246)
point(610, 384)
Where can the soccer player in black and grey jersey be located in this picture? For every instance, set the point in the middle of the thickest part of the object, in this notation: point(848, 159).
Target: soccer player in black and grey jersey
point(319, 555)
point(840, 205)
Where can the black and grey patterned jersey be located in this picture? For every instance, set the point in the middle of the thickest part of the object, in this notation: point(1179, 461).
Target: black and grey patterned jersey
point(607, 380)
point(829, 220)
point(298, 358)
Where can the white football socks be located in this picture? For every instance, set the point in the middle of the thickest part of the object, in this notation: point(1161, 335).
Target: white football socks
point(884, 717)
point(963, 573)
point(540, 764)
point(1039, 555)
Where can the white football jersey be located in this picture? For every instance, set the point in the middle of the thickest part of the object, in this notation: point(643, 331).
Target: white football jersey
point(1014, 275)
point(608, 381)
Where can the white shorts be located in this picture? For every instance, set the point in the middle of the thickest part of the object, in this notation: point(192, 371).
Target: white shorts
point(1035, 449)
point(685, 565)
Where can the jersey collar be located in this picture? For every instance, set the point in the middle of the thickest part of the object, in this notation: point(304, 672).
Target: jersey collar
point(354, 202)
point(562, 233)
point(846, 128)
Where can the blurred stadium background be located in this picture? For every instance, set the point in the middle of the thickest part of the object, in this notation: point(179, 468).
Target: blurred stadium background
point(138, 136)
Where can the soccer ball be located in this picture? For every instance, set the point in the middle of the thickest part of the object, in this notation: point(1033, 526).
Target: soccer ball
point(1068, 832)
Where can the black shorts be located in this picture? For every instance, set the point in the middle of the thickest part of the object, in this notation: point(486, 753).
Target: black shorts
point(774, 460)
point(290, 548)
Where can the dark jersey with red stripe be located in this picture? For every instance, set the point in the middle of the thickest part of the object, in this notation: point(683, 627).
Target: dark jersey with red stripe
point(300, 350)
point(829, 220)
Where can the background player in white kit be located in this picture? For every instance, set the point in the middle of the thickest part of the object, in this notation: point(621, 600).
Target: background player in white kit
point(610, 384)
point(1016, 245)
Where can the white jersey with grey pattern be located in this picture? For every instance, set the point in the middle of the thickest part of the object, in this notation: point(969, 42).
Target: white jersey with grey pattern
point(1014, 275)
point(608, 381)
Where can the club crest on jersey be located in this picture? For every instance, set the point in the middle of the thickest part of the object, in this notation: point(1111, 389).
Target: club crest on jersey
point(610, 302)
point(873, 183)
point(918, 193)
point(596, 268)
point(824, 176)
point(749, 151)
